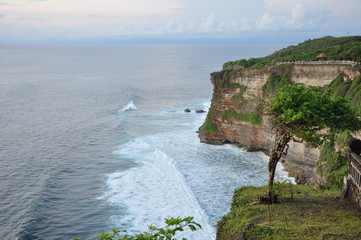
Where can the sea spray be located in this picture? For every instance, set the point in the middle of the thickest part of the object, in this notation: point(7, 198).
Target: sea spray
point(173, 174)
point(129, 106)
point(153, 190)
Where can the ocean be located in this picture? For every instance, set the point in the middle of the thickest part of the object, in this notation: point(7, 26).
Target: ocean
point(95, 137)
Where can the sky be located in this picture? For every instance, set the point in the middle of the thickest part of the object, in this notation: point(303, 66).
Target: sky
point(177, 21)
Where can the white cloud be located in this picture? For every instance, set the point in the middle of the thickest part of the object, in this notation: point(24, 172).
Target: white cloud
point(234, 26)
point(175, 18)
point(307, 17)
point(291, 17)
point(335, 7)
point(280, 5)
point(208, 24)
point(266, 22)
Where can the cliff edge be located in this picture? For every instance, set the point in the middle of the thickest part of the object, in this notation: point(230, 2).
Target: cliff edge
point(235, 115)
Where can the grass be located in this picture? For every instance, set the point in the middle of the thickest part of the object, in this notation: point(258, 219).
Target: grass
point(255, 119)
point(308, 214)
point(209, 126)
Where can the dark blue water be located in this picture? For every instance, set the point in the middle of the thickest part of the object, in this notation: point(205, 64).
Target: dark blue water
point(74, 163)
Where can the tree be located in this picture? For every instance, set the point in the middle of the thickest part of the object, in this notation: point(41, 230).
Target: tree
point(168, 232)
point(305, 113)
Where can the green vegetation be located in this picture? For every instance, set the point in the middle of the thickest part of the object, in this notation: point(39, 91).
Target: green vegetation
point(242, 103)
point(255, 119)
point(236, 85)
point(302, 111)
point(277, 80)
point(304, 213)
point(332, 165)
point(209, 126)
point(221, 80)
point(347, 89)
point(168, 232)
point(342, 48)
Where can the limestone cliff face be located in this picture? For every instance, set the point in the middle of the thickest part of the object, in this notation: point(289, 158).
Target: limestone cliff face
point(235, 117)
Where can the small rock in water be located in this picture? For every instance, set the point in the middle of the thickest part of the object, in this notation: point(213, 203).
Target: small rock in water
point(200, 111)
point(187, 110)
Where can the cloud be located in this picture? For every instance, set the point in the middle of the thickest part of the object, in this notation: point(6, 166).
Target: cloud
point(279, 5)
point(176, 18)
point(208, 24)
point(307, 17)
point(267, 22)
point(292, 17)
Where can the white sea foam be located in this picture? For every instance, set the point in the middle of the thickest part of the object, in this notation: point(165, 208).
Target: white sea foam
point(153, 190)
point(129, 106)
point(175, 175)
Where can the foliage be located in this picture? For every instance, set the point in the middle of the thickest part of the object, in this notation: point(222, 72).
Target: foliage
point(333, 167)
point(342, 48)
point(242, 62)
point(276, 80)
point(311, 214)
point(348, 89)
point(283, 190)
point(236, 85)
point(333, 163)
point(221, 80)
point(168, 232)
point(209, 126)
point(255, 119)
point(304, 112)
point(343, 140)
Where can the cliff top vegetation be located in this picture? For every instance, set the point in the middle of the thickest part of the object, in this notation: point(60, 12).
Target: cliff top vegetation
point(336, 48)
point(305, 213)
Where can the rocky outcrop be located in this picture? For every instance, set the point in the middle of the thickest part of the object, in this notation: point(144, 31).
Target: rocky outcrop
point(235, 115)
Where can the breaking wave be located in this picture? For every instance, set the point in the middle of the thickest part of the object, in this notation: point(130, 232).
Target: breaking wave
point(129, 106)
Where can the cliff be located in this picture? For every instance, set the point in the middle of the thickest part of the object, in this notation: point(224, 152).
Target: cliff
point(236, 117)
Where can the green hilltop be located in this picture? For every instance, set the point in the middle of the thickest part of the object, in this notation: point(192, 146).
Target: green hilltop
point(336, 48)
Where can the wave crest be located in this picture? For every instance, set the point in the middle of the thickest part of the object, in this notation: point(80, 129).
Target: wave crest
point(129, 106)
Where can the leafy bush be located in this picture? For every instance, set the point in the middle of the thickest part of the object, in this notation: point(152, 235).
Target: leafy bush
point(168, 232)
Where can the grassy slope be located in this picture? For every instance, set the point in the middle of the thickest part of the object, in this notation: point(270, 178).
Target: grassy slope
point(342, 48)
point(310, 214)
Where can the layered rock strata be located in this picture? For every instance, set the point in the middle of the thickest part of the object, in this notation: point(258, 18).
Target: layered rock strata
point(236, 117)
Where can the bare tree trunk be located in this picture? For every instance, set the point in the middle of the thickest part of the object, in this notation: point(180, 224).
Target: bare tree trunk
point(280, 148)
